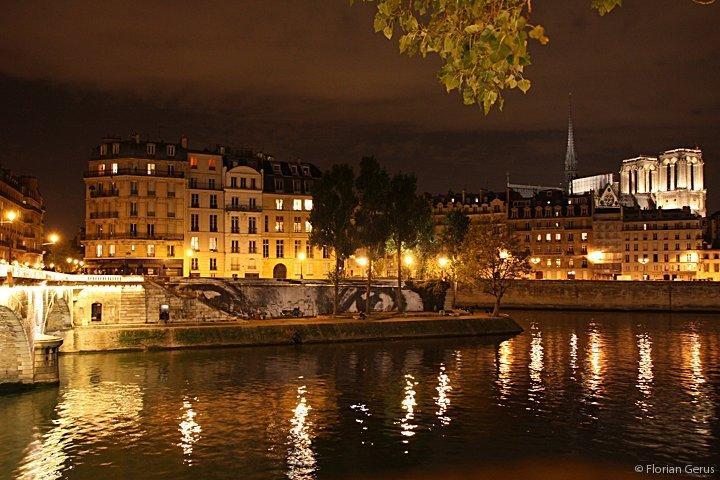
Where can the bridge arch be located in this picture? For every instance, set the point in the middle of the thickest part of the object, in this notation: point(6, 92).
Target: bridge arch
point(16, 362)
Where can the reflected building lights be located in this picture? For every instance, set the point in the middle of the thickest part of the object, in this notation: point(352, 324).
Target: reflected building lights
point(408, 404)
point(443, 400)
point(694, 379)
point(302, 464)
point(595, 362)
point(645, 371)
point(189, 430)
point(536, 366)
point(362, 414)
point(504, 366)
point(573, 353)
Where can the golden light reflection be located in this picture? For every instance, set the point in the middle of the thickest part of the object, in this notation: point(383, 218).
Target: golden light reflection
point(595, 362)
point(695, 383)
point(302, 464)
point(536, 365)
point(504, 367)
point(84, 414)
point(573, 353)
point(443, 400)
point(645, 371)
point(189, 430)
point(363, 413)
point(408, 404)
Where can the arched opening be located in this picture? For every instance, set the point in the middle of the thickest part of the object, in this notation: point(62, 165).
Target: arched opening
point(280, 271)
point(96, 312)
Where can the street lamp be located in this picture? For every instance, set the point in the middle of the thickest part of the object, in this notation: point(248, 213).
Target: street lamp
point(53, 238)
point(504, 254)
point(301, 256)
point(443, 261)
point(408, 260)
point(644, 260)
point(362, 261)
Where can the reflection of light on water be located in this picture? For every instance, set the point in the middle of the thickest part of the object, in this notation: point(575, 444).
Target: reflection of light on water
point(645, 371)
point(408, 404)
point(573, 353)
point(504, 360)
point(301, 458)
point(363, 412)
point(189, 429)
point(84, 414)
point(595, 361)
point(442, 400)
point(536, 364)
point(695, 381)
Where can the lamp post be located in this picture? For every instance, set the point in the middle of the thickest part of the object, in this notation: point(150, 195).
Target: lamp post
point(442, 263)
point(9, 217)
point(301, 256)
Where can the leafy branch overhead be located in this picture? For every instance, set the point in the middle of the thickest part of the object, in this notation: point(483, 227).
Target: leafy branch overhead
point(483, 43)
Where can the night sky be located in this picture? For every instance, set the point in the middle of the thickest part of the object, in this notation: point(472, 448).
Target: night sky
point(310, 79)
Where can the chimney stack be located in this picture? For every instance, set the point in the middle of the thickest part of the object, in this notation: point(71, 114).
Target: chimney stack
point(136, 137)
point(184, 142)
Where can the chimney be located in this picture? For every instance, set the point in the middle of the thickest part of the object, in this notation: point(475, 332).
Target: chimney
point(222, 149)
point(184, 142)
point(136, 137)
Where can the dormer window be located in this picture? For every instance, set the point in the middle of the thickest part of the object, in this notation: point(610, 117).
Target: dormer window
point(193, 162)
point(294, 169)
point(276, 169)
point(103, 149)
point(211, 163)
point(306, 170)
point(171, 150)
point(116, 149)
point(151, 149)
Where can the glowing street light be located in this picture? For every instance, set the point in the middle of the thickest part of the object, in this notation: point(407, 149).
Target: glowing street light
point(301, 256)
point(189, 252)
point(10, 216)
point(535, 260)
point(443, 261)
point(504, 254)
point(596, 256)
point(408, 260)
point(53, 238)
point(644, 260)
point(362, 261)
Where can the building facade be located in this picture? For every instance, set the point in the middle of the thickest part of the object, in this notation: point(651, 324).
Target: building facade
point(22, 212)
point(161, 208)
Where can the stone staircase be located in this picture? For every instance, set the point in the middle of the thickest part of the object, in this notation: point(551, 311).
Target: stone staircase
point(449, 299)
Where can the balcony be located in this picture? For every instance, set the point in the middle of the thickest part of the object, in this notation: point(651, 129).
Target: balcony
point(134, 235)
point(96, 215)
point(204, 186)
point(104, 193)
point(139, 172)
point(243, 208)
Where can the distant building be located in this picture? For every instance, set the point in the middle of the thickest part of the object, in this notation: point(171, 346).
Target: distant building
point(161, 208)
point(22, 228)
point(593, 183)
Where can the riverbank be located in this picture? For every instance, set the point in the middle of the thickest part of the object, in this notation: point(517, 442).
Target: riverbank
point(280, 332)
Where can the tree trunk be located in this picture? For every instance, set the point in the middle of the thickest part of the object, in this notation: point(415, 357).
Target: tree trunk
point(454, 287)
point(336, 286)
point(368, 308)
point(496, 309)
point(400, 303)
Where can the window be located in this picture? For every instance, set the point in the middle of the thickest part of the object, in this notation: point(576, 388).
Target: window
point(213, 223)
point(195, 243)
point(150, 230)
point(233, 182)
point(133, 188)
point(266, 249)
point(133, 209)
point(171, 150)
point(212, 163)
point(213, 201)
point(235, 224)
point(558, 237)
point(98, 250)
point(297, 185)
point(584, 236)
point(170, 251)
point(279, 224)
point(116, 148)
point(194, 222)
point(278, 204)
point(325, 252)
point(194, 264)
point(213, 264)
point(266, 223)
point(243, 182)
point(297, 247)
point(306, 170)
point(252, 183)
point(277, 170)
point(211, 184)
point(133, 229)
point(151, 169)
point(193, 162)
point(309, 251)
point(213, 244)
point(150, 250)
point(151, 149)
point(252, 203)
point(111, 250)
point(103, 149)
point(252, 225)
point(114, 168)
point(308, 204)
point(234, 246)
point(297, 225)
point(308, 226)
point(293, 169)
point(279, 185)
point(280, 248)
point(194, 200)
point(252, 246)
point(297, 204)
point(548, 237)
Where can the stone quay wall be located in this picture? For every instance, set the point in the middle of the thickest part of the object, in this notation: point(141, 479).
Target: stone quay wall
point(279, 332)
point(602, 295)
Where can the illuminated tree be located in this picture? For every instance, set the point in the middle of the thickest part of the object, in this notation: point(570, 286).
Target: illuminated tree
point(455, 229)
point(483, 44)
point(491, 258)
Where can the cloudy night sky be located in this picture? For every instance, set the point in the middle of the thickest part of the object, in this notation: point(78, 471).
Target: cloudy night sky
point(310, 79)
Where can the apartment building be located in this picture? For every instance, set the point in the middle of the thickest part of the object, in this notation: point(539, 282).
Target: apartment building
point(22, 213)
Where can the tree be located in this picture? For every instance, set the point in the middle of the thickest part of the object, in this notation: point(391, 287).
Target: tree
point(455, 229)
point(370, 217)
point(491, 258)
point(408, 220)
point(483, 44)
point(334, 203)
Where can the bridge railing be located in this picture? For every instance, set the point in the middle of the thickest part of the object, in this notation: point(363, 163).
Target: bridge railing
point(20, 271)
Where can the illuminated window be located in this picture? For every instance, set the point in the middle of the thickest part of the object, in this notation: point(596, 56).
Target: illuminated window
point(278, 203)
point(213, 244)
point(308, 204)
point(308, 226)
point(193, 162)
point(151, 169)
point(212, 162)
point(558, 237)
point(171, 150)
point(111, 250)
point(98, 250)
point(279, 224)
point(114, 168)
point(584, 236)
point(151, 250)
point(195, 243)
point(548, 237)
point(297, 204)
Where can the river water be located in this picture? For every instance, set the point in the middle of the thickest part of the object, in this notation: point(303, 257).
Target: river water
point(591, 393)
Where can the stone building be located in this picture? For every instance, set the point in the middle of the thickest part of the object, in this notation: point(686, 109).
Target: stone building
point(161, 208)
point(674, 179)
point(557, 230)
point(661, 244)
point(22, 211)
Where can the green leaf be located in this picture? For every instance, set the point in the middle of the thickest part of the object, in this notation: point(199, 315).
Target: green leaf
point(524, 85)
point(388, 31)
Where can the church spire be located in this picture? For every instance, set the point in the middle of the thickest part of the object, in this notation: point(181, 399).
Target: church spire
point(570, 156)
